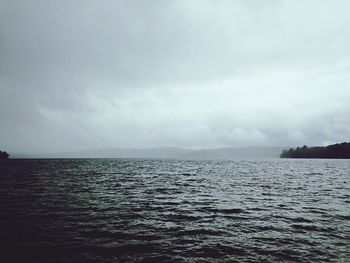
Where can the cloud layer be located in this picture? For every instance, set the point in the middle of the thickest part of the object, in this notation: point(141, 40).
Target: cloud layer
point(93, 74)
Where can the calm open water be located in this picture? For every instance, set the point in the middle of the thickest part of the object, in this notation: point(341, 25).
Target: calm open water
point(124, 210)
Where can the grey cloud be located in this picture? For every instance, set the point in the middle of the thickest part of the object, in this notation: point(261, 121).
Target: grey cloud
point(89, 74)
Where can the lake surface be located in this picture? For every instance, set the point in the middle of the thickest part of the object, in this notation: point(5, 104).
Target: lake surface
point(124, 210)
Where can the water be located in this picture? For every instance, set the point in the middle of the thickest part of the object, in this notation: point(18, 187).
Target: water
point(123, 210)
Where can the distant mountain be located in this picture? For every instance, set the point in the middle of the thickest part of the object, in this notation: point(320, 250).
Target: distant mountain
point(239, 152)
point(168, 152)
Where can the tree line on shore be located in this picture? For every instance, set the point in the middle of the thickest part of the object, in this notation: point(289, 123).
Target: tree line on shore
point(334, 151)
point(4, 155)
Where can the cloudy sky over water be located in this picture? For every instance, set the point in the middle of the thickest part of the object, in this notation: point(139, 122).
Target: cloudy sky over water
point(94, 74)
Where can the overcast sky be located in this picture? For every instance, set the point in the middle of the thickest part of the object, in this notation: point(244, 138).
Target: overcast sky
point(94, 74)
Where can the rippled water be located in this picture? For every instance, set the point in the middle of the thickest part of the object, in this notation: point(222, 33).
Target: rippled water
point(112, 210)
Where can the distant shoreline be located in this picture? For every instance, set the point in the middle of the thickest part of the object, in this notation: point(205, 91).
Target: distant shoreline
point(4, 155)
point(166, 153)
point(334, 151)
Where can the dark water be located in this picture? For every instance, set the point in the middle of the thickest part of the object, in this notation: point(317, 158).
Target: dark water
point(119, 210)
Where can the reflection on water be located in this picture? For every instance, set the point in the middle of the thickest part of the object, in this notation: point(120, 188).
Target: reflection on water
point(107, 210)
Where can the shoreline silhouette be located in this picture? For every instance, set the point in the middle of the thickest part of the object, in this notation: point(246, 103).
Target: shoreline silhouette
point(334, 151)
point(4, 155)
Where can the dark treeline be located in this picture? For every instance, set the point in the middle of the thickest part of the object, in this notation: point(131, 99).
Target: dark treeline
point(4, 155)
point(336, 151)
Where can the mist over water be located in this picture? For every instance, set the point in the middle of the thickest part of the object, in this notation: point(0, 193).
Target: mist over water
point(110, 210)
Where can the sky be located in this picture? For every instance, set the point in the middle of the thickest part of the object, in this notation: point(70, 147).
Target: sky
point(89, 74)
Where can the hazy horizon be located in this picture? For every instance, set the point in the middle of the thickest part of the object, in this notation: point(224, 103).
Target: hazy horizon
point(151, 148)
point(78, 75)
point(162, 152)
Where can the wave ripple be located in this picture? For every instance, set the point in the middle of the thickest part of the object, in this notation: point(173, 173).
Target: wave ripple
point(108, 210)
